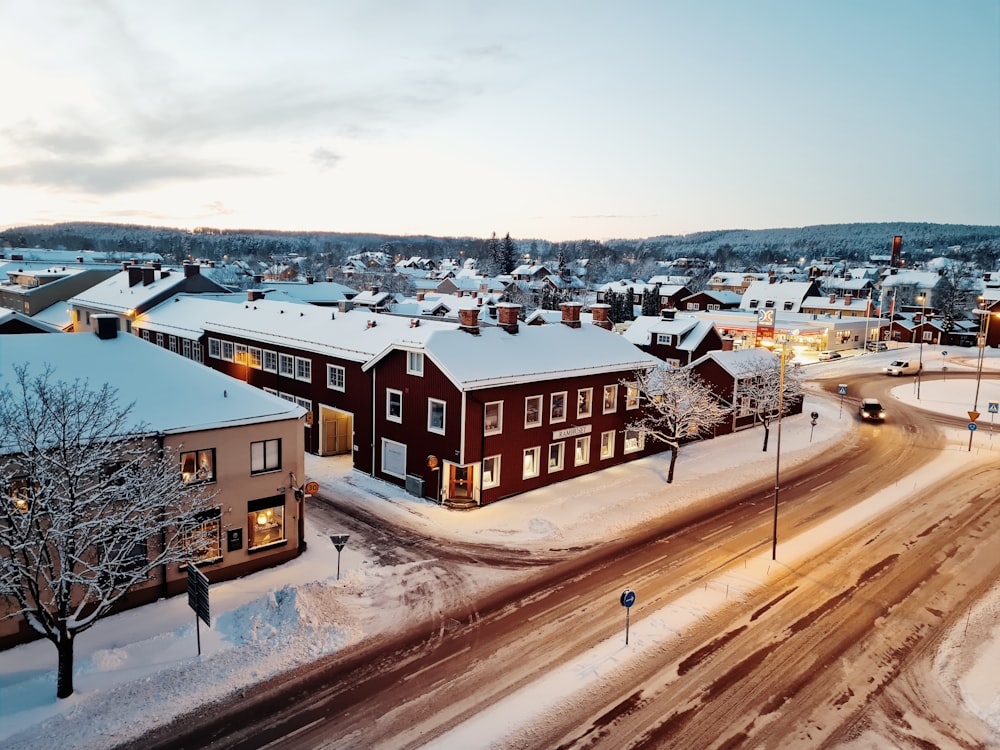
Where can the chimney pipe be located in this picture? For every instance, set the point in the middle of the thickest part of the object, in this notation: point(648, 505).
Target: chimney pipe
point(508, 313)
point(601, 311)
point(570, 313)
point(468, 319)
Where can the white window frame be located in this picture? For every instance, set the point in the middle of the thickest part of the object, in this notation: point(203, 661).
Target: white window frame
point(415, 363)
point(635, 441)
point(608, 444)
point(256, 357)
point(385, 444)
point(491, 478)
point(613, 391)
point(227, 351)
point(499, 428)
point(432, 403)
point(584, 397)
point(172, 344)
point(537, 400)
point(581, 451)
point(392, 395)
point(270, 360)
point(159, 339)
point(145, 334)
point(186, 348)
point(530, 462)
point(269, 449)
point(631, 396)
point(336, 378)
point(665, 339)
point(303, 369)
point(555, 417)
point(286, 365)
point(556, 460)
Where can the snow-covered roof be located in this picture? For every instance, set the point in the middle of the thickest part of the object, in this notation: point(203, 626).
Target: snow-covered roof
point(738, 362)
point(117, 295)
point(688, 331)
point(147, 376)
point(722, 296)
point(778, 292)
point(318, 293)
point(918, 279)
point(13, 316)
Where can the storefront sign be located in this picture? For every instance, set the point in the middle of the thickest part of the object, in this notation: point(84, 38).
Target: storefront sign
point(234, 537)
point(571, 432)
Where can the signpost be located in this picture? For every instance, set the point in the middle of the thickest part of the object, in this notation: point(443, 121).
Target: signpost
point(197, 584)
point(993, 408)
point(339, 541)
point(627, 599)
point(842, 390)
point(812, 421)
point(973, 416)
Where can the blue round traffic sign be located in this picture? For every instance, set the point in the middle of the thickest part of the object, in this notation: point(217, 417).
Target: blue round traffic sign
point(628, 598)
point(972, 426)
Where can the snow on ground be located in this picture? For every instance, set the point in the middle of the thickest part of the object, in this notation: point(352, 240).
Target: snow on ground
point(141, 668)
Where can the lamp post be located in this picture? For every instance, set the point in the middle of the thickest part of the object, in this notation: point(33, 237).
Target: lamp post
point(777, 452)
point(920, 369)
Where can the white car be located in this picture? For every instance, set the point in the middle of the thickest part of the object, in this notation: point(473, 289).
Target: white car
point(903, 367)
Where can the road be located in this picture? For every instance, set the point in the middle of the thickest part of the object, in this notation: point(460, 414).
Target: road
point(824, 652)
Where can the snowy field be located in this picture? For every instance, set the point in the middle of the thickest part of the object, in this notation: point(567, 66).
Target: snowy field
point(141, 668)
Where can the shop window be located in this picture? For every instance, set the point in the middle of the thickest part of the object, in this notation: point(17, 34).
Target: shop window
point(491, 472)
point(265, 455)
point(584, 402)
point(533, 411)
point(493, 418)
point(531, 458)
point(557, 453)
point(581, 451)
point(608, 444)
point(336, 378)
point(204, 541)
point(610, 399)
point(634, 441)
point(265, 522)
point(415, 363)
point(393, 405)
point(557, 407)
point(435, 415)
point(123, 559)
point(198, 466)
point(394, 458)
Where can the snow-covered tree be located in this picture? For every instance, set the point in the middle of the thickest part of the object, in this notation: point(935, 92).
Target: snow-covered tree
point(90, 506)
point(675, 407)
point(765, 388)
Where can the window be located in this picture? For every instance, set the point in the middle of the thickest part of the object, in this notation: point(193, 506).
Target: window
point(632, 396)
point(214, 348)
point(584, 402)
point(634, 441)
point(557, 407)
point(303, 369)
point(335, 377)
point(272, 391)
point(196, 351)
point(305, 404)
point(695, 306)
point(415, 363)
point(145, 335)
point(581, 452)
point(393, 405)
point(123, 559)
point(713, 307)
point(265, 522)
point(22, 490)
point(533, 411)
point(256, 356)
point(270, 360)
point(159, 339)
point(493, 418)
point(394, 458)
point(531, 456)
point(435, 415)
point(227, 351)
point(608, 444)
point(491, 472)
point(610, 399)
point(557, 453)
point(286, 396)
point(204, 541)
point(927, 335)
point(186, 348)
point(265, 455)
point(664, 339)
point(172, 344)
point(198, 466)
point(286, 365)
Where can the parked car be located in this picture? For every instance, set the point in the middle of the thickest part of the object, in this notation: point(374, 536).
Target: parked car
point(877, 346)
point(871, 410)
point(823, 356)
point(903, 367)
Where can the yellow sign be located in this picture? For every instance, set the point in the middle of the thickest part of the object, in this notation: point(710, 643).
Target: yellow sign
point(432, 462)
point(312, 488)
point(309, 419)
point(973, 415)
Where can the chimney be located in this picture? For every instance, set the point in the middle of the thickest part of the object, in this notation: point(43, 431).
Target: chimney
point(848, 299)
point(771, 277)
point(79, 258)
point(134, 275)
point(124, 265)
point(211, 264)
point(459, 293)
point(148, 276)
point(570, 313)
point(191, 269)
point(345, 305)
point(107, 326)
point(668, 313)
point(374, 289)
point(254, 294)
point(727, 343)
point(371, 324)
point(508, 316)
point(468, 320)
point(156, 265)
point(258, 278)
point(420, 296)
point(833, 298)
point(600, 312)
point(309, 279)
point(414, 323)
point(329, 279)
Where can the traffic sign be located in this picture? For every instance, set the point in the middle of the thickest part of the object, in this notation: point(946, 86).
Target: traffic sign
point(972, 427)
point(312, 488)
point(842, 389)
point(973, 415)
point(628, 598)
point(994, 407)
point(339, 541)
point(197, 588)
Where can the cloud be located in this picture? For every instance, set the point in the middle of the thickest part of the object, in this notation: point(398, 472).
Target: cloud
point(117, 176)
point(325, 158)
point(57, 142)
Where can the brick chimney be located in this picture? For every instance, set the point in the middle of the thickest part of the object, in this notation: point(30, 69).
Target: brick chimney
point(601, 311)
point(727, 343)
point(833, 298)
point(570, 313)
point(191, 269)
point(148, 275)
point(107, 326)
point(848, 299)
point(310, 279)
point(468, 319)
point(668, 313)
point(420, 296)
point(134, 275)
point(507, 312)
point(254, 294)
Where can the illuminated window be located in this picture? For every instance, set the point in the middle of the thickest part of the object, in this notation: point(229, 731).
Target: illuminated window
point(204, 541)
point(435, 415)
point(557, 452)
point(610, 399)
point(581, 452)
point(491, 472)
point(634, 441)
point(198, 466)
point(393, 405)
point(493, 418)
point(533, 411)
point(530, 467)
point(265, 455)
point(608, 444)
point(336, 377)
point(584, 402)
point(265, 522)
point(632, 396)
point(557, 407)
point(256, 357)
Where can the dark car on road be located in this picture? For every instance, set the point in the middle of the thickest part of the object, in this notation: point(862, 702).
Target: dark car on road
point(871, 410)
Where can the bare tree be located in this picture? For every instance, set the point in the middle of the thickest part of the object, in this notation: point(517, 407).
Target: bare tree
point(766, 388)
point(91, 505)
point(676, 406)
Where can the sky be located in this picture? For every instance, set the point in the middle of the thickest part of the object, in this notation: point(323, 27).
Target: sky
point(563, 120)
point(141, 666)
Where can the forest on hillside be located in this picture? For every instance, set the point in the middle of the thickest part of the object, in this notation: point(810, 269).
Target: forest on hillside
point(733, 249)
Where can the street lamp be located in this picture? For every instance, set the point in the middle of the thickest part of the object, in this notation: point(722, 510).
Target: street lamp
point(920, 369)
point(777, 452)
